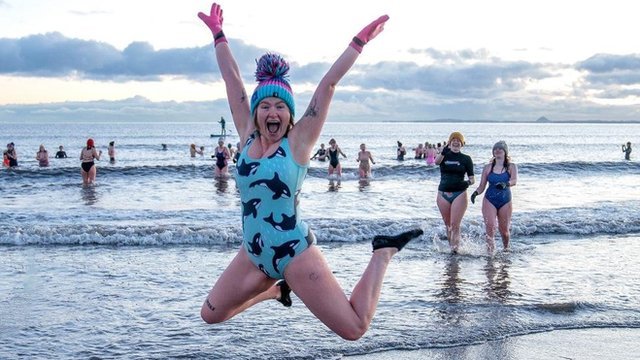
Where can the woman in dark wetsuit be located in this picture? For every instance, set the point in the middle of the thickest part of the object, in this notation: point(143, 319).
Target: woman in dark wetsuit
point(88, 167)
point(321, 154)
point(626, 149)
point(334, 161)
point(501, 174)
point(276, 243)
point(222, 156)
point(452, 191)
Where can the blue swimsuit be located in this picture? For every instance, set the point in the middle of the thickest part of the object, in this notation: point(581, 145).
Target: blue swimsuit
point(273, 233)
point(495, 196)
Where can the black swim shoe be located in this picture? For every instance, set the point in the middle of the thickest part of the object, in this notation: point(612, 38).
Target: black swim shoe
point(285, 291)
point(397, 241)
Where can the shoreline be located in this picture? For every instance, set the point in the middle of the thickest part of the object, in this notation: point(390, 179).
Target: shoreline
point(592, 343)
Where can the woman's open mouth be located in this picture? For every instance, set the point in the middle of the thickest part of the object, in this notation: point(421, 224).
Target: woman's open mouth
point(273, 127)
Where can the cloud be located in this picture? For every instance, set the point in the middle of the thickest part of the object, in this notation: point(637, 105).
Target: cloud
point(89, 13)
point(461, 73)
point(136, 108)
point(612, 77)
point(465, 84)
point(606, 63)
point(479, 80)
point(452, 56)
point(54, 55)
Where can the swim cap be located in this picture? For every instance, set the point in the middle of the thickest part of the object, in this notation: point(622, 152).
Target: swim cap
point(456, 135)
point(90, 143)
point(271, 74)
point(501, 145)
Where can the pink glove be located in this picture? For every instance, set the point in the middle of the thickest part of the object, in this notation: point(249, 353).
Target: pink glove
point(214, 22)
point(368, 33)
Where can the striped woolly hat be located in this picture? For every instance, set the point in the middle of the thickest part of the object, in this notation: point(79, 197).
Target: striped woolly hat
point(271, 75)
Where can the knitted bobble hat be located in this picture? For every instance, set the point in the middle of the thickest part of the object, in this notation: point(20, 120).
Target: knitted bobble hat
point(271, 74)
point(501, 145)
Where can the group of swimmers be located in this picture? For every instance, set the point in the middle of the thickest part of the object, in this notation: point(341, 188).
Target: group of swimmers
point(427, 151)
point(457, 175)
point(332, 153)
point(88, 154)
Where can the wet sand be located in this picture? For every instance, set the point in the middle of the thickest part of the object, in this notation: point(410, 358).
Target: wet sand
point(620, 343)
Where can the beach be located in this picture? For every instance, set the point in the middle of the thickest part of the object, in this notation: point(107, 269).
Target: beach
point(120, 269)
point(559, 344)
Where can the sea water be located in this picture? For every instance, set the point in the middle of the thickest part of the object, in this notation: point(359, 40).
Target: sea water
point(120, 269)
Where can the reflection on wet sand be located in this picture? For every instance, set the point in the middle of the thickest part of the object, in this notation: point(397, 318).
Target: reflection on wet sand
point(497, 286)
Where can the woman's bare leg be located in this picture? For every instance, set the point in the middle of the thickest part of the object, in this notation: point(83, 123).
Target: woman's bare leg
point(85, 177)
point(458, 208)
point(92, 174)
point(240, 286)
point(504, 223)
point(489, 213)
point(445, 211)
point(311, 279)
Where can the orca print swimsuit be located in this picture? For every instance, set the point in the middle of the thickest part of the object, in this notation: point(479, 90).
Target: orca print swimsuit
point(273, 233)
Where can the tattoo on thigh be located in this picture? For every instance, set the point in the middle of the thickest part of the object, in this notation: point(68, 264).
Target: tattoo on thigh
point(209, 305)
point(313, 276)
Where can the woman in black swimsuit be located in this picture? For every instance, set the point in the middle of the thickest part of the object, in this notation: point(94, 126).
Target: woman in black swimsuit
point(88, 168)
point(334, 161)
point(222, 156)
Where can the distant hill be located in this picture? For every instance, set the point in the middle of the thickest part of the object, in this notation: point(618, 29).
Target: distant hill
point(543, 119)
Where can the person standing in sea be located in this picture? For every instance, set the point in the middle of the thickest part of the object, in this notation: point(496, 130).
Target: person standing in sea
point(321, 154)
point(111, 151)
point(400, 151)
point(12, 155)
point(223, 126)
point(626, 149)
point(88, 168)
point(273, 163)
point(61, 154)
point(365, 159)
point(501, 174)
point(42, 156)
point(222, 156)
point(452, 190)
point(334, 160)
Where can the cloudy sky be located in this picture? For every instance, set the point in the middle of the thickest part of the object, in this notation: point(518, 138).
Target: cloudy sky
point(491, 60)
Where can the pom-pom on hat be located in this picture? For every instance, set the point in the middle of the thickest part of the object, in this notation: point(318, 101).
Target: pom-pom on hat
point(271, 74)
point(456, 135)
